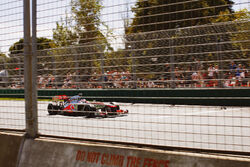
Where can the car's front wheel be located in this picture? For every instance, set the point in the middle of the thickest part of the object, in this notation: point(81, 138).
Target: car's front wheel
point(108, 110)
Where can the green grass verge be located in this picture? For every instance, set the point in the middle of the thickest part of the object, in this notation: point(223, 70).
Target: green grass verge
point(21, 99)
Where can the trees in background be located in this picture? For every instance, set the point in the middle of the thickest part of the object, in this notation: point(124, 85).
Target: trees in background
point(3, 60)
point(155, 15)
point(80, 40)
point(176, 31)
point(15, 62)
point(242, 35)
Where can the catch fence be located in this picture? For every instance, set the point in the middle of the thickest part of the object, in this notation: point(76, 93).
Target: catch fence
point(109, 45)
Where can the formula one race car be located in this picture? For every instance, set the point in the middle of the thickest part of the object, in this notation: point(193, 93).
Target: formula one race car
point(79, 106)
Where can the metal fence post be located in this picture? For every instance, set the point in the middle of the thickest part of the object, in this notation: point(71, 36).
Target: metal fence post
point(134, 72)
point(30, 72)
point(102, 70)
point(172, 66)
point(218, 52)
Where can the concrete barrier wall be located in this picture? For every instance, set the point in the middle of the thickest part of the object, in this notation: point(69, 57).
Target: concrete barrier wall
point(9, 149)
point(62, 153)
point(42, 152)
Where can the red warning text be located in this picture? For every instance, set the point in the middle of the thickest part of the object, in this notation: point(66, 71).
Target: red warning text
point(117, 160)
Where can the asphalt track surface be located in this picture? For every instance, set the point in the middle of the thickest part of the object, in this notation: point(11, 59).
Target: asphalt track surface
point(200, 127)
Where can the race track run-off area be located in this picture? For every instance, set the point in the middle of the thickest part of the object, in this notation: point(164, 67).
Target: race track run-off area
point(200, 127)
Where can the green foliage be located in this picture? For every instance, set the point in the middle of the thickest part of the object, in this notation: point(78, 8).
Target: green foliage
point(63, 36)
point(42, 43)
point(17, 47)
point(242, 36)
point(170, 28)
point(116, 60)
point(82, 26)
point(81, 44)
point(16, 59)
point(169, 14)
point(3, 60)
point(2, 55)
point(86, 14)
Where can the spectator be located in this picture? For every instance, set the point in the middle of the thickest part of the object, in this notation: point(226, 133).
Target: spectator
point(228, 80)
point(198, 65)
point(232, 68)
point(211, 71)
point(238, 72)
point(216, 71)
point(194, 77)
point(244, 75)
point(40, 81)
point(210, 76)
point(166, 71)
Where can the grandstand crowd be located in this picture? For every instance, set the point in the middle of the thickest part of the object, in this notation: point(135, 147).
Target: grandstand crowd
point(237, 75)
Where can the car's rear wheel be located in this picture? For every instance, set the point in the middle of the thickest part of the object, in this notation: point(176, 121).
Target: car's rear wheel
point(108, 110)
point(51, 109)
point(89, 111)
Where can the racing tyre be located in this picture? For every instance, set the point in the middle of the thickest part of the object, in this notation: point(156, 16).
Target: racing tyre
point(89, 112)
point(108, 110)
point(51, 109)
